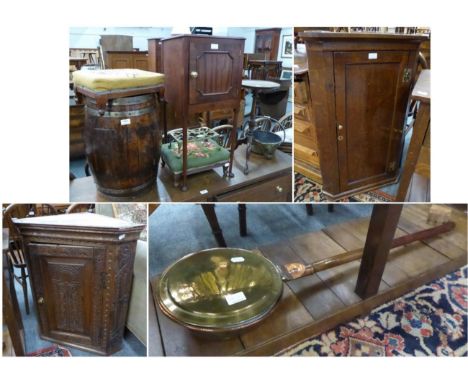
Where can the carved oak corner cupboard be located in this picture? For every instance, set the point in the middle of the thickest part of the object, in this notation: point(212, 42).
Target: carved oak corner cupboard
point(359, 87)
point(81, 268)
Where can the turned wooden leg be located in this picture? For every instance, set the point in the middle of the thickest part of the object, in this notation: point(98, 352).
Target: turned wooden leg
point(420, 128)
point(184, 152)
point(242, 219)
point(310, 209)
point(210, 213)
point(382, 227)
point(176, 180)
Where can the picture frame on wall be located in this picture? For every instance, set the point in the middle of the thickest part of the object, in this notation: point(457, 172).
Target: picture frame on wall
point(287, 46)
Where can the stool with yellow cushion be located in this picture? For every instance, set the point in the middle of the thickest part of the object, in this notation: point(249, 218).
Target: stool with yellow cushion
point(122, 127)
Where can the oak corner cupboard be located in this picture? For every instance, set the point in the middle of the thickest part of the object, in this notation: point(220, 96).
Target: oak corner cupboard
point(81, 268)
point(359, 86)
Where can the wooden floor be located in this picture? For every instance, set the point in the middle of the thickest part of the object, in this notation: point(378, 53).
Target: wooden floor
point(319, 302)
point(419, 189)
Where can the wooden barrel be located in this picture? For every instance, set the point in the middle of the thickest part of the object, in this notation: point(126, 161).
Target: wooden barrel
point(123, 144)
point(77, 122)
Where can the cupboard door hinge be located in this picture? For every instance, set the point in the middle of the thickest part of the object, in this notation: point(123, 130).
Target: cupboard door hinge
point(391, 166)
point(406, 75)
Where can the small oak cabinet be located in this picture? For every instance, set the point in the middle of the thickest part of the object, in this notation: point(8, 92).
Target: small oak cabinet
point(81, 268)
point(360, 85)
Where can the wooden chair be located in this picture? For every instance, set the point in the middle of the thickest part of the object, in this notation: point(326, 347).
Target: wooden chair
point(77, 207)
point(224, 132)
point(15, 254)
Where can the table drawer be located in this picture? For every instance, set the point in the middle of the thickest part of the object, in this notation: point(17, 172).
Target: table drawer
point(273, 190)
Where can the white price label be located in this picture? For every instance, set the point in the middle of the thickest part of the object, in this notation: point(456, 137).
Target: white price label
point(238, 259)
point(235, 298)
point(214, 46)
point(203, 192)
point(124, 122)
point(121, 237)
point(372, 56)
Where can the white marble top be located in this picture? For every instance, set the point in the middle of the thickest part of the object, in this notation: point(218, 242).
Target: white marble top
point(84, 219)
point(259, 84)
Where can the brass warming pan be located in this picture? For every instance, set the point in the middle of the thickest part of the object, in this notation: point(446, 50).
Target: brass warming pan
point(222, 291)
point(219, 290)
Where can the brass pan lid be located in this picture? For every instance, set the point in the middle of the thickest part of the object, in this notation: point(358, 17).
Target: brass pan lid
point(220, 289)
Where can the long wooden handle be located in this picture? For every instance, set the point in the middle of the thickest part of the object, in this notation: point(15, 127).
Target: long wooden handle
point(297, 270)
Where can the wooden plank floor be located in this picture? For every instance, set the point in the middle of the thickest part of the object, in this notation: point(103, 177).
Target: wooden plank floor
point(319, 302)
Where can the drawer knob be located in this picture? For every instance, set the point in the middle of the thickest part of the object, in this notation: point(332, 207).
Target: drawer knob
point(340, 137)
point(279, 188)
point(40, 300)
point(194, 74)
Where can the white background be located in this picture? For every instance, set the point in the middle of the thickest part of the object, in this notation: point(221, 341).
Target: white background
point(34, 149)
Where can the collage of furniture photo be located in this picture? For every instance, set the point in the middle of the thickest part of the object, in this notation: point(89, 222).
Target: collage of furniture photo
point(241, 191)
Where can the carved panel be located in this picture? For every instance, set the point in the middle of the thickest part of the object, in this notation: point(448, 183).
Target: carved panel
point(123, 285)
point(65, 280)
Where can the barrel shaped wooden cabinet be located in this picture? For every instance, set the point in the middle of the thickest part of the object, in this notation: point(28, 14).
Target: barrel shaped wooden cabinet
point(360, 85)
point(123, 158)
point(81, 267)
point(202, 74)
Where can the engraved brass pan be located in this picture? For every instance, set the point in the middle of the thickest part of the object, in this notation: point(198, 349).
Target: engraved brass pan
point(220, 290)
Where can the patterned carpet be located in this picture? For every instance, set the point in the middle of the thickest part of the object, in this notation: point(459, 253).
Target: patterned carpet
point(52, 351)
point(306, 190)
point(430, 321)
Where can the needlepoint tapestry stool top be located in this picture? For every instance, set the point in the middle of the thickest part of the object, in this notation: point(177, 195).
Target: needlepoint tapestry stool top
point(430, 321)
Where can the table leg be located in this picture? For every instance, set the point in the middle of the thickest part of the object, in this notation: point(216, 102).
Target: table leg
point(382, 227)
point(184, 151)
point(233, 140)
point(250, 131)
point(11, 311)
point(420, 127)
point(210, 213)
point(242, 219)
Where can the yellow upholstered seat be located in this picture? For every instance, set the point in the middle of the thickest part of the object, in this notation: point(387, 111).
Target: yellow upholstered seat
point(116, 79)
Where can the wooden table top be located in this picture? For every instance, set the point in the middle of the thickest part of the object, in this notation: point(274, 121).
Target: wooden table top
point(361, 35)
point(259, 84)
point(422, 89)
point(201, 186)
point(78, 58)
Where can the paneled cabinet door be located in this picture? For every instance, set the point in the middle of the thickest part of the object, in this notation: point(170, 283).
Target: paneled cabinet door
point(371, 90)
point(69, 291)
point(215, 70)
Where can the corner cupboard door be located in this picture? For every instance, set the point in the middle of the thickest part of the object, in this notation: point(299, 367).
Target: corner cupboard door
point(215, 69)
point(371, 92)
point(69, 291)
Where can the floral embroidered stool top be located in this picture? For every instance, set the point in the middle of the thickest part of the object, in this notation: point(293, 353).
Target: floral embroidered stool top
point(201, 155)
